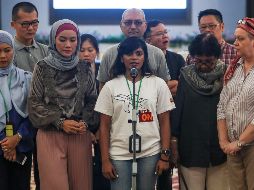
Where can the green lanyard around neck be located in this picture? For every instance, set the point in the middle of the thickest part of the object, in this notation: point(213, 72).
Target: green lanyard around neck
point(140, 84)
point(5, 104)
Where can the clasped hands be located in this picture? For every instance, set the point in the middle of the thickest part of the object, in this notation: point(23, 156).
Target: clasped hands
point(74, 127)
point(230, 148)
point(8, 145)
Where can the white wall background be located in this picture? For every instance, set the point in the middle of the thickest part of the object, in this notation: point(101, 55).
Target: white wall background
point(232, 11)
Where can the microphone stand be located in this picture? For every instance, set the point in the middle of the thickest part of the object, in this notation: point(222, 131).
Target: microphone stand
point(134, 123)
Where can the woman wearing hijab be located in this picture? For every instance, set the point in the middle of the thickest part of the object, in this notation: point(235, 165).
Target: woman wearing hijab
point(16, 132)
point(61, 102)
point(235, 110)
point(202, 162)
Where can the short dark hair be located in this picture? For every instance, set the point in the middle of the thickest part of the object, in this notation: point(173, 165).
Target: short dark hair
point(150, 24)
point(24, 6)
point(91, 39)
point(205, 44)
point(213, 12)
point(126, 47)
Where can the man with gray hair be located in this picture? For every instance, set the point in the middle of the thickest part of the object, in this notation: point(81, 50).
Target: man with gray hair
point(133, 23)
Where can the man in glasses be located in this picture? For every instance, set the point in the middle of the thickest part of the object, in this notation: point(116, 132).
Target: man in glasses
point(27, 50)
point(133, 23)
point(157, 34)
point(211, 20)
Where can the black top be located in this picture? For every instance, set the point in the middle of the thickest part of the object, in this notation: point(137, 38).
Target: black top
point(175, 62)
point(195, 125)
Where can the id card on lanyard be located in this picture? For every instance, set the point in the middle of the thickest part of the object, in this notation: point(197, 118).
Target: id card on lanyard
point(138, 137)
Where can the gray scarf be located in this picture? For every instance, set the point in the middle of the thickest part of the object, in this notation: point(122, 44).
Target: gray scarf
point(55, 59)
point(205, 83)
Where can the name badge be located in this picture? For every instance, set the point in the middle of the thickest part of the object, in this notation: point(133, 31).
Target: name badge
point(9, 130)
point(145, 116)
point(138, 143)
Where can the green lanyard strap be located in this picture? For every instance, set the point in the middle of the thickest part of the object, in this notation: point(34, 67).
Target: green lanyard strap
point(140, 84)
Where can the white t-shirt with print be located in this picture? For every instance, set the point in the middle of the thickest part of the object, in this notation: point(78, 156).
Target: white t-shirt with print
point(115, 100)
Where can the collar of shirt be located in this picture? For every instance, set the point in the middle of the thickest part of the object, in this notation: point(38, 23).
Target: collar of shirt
point(223, 44)
point(20, 46)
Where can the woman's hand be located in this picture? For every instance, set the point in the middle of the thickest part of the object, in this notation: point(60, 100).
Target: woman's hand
point(9, 143)
point(74, 127)
point(223, 145)
point(93, 138)
point(231, 148)
point(11, 155)
point(162, 166)
point(108, 170)
point(174, 152)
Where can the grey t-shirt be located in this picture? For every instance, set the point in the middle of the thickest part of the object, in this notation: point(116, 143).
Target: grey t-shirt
point(157, 63)
point(27, 56)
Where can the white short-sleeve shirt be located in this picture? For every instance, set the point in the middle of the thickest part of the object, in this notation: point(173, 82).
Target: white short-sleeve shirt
point(115, 100)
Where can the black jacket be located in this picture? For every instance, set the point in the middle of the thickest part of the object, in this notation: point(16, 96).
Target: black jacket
point(195, 125)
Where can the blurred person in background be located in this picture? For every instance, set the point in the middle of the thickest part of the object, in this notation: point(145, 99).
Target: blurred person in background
point(211, 21)
point(27, 50)
point(157, 34)
point(133, 23)
point(89, 51)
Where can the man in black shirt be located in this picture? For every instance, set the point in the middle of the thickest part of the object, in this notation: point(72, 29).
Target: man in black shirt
point(157, 34)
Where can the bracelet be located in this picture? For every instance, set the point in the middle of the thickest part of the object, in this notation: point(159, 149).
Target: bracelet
point(60, 123)
point(19, 135)
point(173, 140)
point(163, 160)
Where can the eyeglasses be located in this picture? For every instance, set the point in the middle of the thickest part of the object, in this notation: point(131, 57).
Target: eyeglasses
point(26, 24)
point(159, 34)
point(245, 23)
point(209, 26)
point(137, 23)
point(208, 62)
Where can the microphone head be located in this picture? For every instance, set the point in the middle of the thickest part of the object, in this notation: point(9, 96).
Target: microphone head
point(134, 72)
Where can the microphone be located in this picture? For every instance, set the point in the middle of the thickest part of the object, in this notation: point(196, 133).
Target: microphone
point(134, 72)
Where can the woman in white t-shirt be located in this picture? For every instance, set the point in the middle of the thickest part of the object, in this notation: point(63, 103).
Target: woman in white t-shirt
point(153, 102)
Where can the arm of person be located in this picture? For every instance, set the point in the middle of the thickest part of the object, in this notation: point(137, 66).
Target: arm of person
point(245, 139)
point(163, 163)
point(179, 64)
point(106, 64)
point(176, 117)
point(101, 85)
point(222, 134)
point(89, 115)
point(172, 85)
point(41, 114)
point(105, 107)
point(247, 136)
point(221, 120)
point(108, 169)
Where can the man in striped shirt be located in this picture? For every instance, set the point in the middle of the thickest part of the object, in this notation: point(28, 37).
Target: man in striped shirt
point(211, 20)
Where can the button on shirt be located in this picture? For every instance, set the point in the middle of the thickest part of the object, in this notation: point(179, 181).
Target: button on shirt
point(27, 56)
point(236, 103)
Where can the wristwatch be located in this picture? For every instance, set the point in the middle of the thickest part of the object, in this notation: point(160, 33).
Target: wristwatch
point(60, 123)
point(166, 152)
